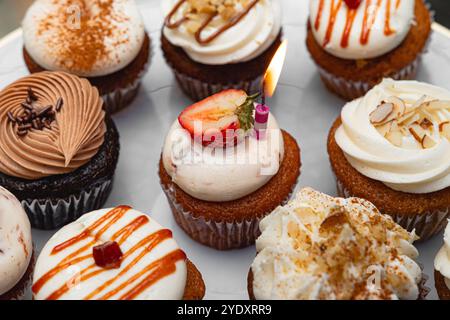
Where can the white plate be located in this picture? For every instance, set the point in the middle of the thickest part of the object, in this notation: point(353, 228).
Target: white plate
point(301, 104)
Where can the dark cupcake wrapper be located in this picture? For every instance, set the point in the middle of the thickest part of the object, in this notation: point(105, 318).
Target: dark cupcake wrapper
point(122, 97)
point(49, 213)
point(426, 224)
point(220, 235)
point(198, 90)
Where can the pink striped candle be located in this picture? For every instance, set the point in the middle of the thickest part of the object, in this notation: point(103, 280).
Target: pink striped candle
point(261, 119)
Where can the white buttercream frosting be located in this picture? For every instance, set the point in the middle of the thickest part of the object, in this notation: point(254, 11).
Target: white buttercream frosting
point(319, 247)
point(169, 287)
point(442, 260)
point(51, 31)
point(16, 246)
point(222, 174)
point(408, 168)
point(400, 19)
point(244, 41)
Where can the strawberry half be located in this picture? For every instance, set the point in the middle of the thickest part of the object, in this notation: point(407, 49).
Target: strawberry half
point(217, 119)
point(353, 4)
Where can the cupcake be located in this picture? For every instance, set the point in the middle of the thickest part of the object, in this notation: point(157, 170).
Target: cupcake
point(223, 170)
point(103, 41)
point(115, 254)
point(58, 149)
point(392, 147)
point(322, 248)
point(442, 268)
point(217, 45)
point(357, 43)
point(16, 248)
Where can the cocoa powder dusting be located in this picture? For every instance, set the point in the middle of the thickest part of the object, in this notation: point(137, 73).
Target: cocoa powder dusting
point(79, 30)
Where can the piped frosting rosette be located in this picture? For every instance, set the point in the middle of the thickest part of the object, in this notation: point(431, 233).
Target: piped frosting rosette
point(399, 134)
point(319, 247)
point(67, 143)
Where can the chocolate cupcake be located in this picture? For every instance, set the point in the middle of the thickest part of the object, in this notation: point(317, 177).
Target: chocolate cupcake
point(103, 41)
point(323, 248)
point(217, 45)
point(58, 149)
point(223, 171)
point(115, 254)
point(392, 147)
point(16, 248)
point(442, 268)
point(355, 44)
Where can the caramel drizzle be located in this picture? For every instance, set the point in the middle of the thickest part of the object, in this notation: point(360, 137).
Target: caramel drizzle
point(198, 35)
point(158, 269)
point(367, 25)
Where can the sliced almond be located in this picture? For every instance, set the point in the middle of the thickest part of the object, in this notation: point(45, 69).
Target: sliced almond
point(395, 137)
point(416, 104)
point(426, 124)
point(437, 104)
point(384, 129)
point(418, 133)
point(413, 119)
point(399, 105)
point(444, 129)
point(405, 117)
point(381, 113)
point(428, 142)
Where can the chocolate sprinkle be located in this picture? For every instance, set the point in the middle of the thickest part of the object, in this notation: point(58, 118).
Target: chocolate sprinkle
point(59, 104)
point(31, 95)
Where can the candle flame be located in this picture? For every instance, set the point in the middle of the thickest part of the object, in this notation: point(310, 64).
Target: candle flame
point(274, 70)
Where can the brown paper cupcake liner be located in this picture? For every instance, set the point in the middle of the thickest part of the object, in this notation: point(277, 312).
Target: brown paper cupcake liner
point(122, 97)
point(426, 224)
point(220, 235)
point(48, 214)
point(441, 287)
point(198, 90)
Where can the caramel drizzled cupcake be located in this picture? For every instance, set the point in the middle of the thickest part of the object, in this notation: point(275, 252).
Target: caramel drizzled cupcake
point(115, 254)
point(442, 268)
point(322, 248)
point(392, 147)
point(357, 43)
point(16, 248)
point(103, 41)
point(58, 149)
point(220, 44)
point(221, 174)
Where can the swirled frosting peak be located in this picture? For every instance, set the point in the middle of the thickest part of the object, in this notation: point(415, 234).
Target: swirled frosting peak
point(319, 247)
point(71, 140)
point(218, 32)
point(399, 134)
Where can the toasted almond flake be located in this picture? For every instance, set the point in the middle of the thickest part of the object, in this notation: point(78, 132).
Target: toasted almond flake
point(399, 105)
point(395, 137)
point(437, 105)
point(417, 132)
point(425, 123)
point(428, 142)
point(416, 104)
point(381, 113)
point(414, 119)
point(444, 129)
point(405, 117)
point(384, 128)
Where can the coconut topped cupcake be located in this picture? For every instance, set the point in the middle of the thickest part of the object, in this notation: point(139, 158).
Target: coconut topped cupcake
point(212, 153)
point(87, 38)
point(399, 134)
point(319, 247)
point(50, 124)
point(16, 248)
point(113, 254)
point(360, 29)
point(442, 267)
point(219, 32)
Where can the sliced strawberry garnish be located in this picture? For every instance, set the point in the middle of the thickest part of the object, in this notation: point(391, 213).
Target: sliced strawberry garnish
point(216, 119)
point(353, 4)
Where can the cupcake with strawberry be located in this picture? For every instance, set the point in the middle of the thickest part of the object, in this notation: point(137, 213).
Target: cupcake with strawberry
point(357, 43)
point(225, 165)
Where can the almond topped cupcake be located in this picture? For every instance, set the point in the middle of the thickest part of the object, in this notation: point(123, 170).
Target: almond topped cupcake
point(357, 43)
point(322, 248)
point(16, 248)
point(104, 41)
point(224, 166)
point(115, 254)
point(213, 45)
point(392, 147)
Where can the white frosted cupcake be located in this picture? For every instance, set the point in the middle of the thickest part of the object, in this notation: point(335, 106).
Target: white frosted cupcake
point(322, 248)
point(16, 248)
point(103, 41)
point(442, 268)
point(217, 45)
point(115, 254)
point(357, 43)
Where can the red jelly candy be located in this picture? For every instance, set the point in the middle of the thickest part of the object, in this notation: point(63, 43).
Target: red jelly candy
point(353, 4)
point(108, 255)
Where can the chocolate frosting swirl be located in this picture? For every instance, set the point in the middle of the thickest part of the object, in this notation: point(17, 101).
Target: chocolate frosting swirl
point(74, 138)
